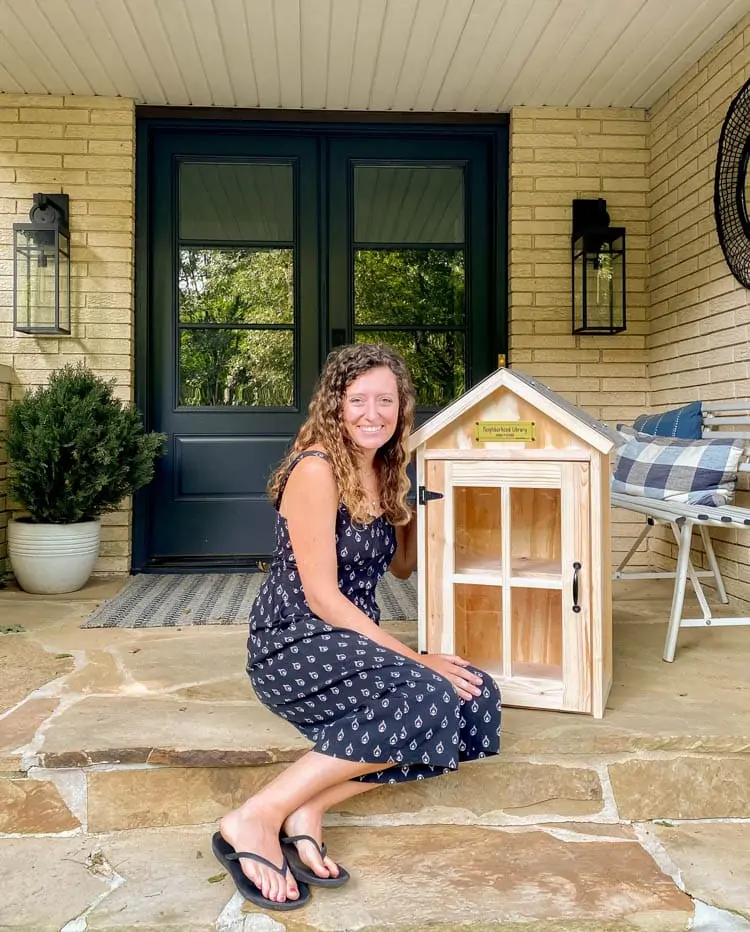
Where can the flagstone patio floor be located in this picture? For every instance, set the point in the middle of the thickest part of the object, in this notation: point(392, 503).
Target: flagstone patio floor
point(120, 748)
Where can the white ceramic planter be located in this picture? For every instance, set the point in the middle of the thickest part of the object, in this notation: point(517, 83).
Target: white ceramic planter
point(52, 558)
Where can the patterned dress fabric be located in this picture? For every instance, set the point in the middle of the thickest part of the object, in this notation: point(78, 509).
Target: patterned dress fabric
point(351, 697)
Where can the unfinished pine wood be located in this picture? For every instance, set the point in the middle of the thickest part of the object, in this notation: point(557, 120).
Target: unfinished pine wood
point(537, 633)
point(433, 513)
point(507, 453)
point(515, 519)
point(577, 671)
point(500, 397)
point(478, 626)
point(477, 529)
point(536, 533)
point(506, 591)
point(421, 560)
point(510, 472)
point(601, 585)
point(533, 693)
point(550, 434)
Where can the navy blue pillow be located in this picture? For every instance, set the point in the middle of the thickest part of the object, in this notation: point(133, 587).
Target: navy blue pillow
point(685, 423)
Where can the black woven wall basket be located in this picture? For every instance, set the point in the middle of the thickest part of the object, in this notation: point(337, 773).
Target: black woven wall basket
point(730, 202)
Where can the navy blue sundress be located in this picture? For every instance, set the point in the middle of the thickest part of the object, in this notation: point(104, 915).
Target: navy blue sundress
point(351, 697)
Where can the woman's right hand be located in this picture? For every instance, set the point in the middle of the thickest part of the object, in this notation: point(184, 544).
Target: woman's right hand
point(453, 668)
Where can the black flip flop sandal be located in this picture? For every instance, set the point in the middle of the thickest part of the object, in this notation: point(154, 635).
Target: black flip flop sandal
point(230, 859)
point(304, 874)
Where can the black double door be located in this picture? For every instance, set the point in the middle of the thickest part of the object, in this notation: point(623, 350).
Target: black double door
point(267, 248)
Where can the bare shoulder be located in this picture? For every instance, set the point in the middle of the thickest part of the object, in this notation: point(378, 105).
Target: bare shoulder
point(311, 478)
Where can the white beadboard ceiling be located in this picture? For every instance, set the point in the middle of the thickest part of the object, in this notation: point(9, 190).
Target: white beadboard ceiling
point(379, 55)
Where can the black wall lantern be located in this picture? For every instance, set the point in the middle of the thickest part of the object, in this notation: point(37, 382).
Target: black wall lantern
point(41, 267)
point(598, 269)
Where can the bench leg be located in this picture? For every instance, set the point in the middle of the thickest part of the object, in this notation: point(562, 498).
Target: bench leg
point(629, 555)
point(713, 563)
point(684, 536)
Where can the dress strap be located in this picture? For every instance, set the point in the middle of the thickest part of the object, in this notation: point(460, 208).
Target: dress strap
point(290, 467)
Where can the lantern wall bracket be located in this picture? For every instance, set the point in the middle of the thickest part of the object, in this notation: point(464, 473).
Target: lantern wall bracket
point(48, 208)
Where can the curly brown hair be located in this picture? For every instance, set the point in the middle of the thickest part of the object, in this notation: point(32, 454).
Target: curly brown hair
point(324, 426)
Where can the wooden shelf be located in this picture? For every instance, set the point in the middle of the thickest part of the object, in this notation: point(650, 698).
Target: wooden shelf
point(525, 573)
point(530, 692)
point(537, 671)
point(536, 574)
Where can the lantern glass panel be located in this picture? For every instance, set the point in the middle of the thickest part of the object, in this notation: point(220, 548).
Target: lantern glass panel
point(604, 288)
point(42, 279)
point(63, 321)
point(37, 274)
point(579, 316)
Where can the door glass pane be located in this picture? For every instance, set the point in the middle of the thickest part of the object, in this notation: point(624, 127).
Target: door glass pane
point(409, 269)
point(240, 286)
point(478, 625)
point(235, 201)
point(477, 530)
point(536, 578)
point(408, 204)
point(537, 633)
point(417, 287)
point(236, 298)
point(222, 366)
point(436, 361)
point(536, 534)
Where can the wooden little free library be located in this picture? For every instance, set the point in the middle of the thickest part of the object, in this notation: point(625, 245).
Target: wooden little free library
point(514, 542)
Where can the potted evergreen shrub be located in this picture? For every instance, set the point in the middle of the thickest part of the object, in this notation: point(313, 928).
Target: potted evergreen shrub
point(75, 452)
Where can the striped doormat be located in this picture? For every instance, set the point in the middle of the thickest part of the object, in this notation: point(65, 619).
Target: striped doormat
point(177, 601)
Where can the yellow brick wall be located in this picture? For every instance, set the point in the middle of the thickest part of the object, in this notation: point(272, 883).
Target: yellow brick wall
point(699, 314)
point(557, 155)
point(5, 381)
point(84, 147)
point(687, 317)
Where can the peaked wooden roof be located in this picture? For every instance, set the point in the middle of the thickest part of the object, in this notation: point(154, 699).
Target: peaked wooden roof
point(531, 390)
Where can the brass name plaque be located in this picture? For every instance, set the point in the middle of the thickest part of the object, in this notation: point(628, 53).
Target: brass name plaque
point(504, 431)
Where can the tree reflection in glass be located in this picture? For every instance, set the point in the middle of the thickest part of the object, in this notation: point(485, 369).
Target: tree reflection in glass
point(236, 321)
point(422, 293)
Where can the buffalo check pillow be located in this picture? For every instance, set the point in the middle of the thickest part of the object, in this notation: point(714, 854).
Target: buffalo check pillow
point(695, 472)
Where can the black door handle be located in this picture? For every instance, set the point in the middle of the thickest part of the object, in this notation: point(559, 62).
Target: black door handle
point(576, 568)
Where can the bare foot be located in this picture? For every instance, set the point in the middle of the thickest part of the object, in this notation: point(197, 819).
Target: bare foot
point(308, 820)
point(249, 828)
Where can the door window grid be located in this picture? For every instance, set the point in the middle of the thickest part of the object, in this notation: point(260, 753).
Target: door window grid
point(237, 307)
point(408, 270)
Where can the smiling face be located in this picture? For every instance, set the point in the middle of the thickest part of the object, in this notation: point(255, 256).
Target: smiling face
point(370, 409)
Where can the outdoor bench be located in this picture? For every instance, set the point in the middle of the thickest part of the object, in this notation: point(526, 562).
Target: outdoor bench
point(726, 420)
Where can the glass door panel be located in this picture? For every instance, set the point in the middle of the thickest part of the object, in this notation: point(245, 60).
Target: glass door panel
point(536, 537)
point(410, 257)
point(536, 633)
point(409, 271)
point(478, 626)
point(236, 305)
point(477, 521)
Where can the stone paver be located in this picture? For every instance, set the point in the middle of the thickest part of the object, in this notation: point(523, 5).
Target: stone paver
point(125, 728)
point(136, 798)
point(713, 860)
point(18, 728)
point(403, 879)
point(46, 883)
point(490, 787)
point(184, 692)
point(25, 666)
point(682, 788)
point(32, 807)
point(176, 736)
point(482, 792)
point(454, 877)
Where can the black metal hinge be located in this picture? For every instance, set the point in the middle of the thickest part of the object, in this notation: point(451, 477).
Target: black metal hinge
point(425, 495)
